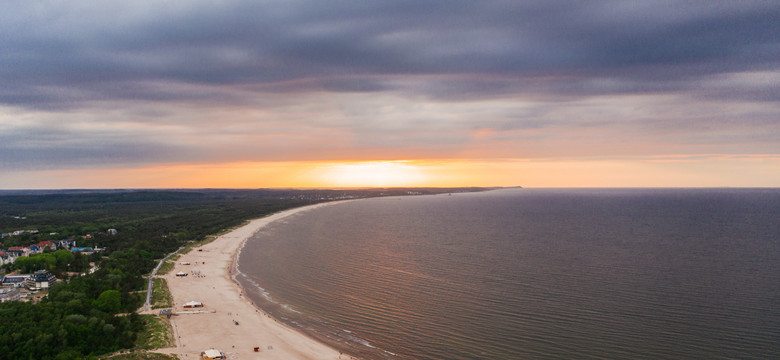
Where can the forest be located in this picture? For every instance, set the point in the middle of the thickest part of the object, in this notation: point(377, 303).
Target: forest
point(88, 315)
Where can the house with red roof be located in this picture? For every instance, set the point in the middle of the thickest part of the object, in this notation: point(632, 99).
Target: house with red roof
point(18, 251)
point(44, 244)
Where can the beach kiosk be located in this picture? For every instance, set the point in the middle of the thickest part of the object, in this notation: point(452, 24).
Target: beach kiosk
point(166, 313)
point(193, 304)
point(212, 354)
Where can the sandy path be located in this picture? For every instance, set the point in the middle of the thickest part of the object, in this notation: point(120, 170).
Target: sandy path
point(209, 281)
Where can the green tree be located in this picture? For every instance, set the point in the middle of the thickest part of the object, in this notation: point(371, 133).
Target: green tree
point(64, 259)
point(109, 301)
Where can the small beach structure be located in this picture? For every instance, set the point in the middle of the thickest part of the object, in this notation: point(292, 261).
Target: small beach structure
point(166, 313)
point(212, 354)
point(193, 304)
point(181, 274)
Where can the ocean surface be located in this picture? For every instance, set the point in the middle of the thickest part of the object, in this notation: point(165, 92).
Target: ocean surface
point(530, 274)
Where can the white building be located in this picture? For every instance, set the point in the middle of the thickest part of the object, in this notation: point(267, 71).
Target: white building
point(41, 280)
point(10, 294)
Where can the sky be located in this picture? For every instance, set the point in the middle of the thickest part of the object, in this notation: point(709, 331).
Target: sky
point(251, 94)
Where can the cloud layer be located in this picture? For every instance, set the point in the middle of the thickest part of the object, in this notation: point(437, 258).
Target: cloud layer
point(117, 84)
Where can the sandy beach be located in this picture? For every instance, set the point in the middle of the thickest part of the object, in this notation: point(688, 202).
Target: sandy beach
point(228, 321)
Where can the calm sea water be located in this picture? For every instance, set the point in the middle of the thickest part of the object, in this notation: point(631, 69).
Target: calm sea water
point(529, 274)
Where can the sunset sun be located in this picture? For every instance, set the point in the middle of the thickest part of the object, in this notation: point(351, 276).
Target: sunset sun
point(373, 174)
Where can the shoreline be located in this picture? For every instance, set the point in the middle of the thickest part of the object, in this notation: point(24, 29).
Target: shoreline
point(229, 321)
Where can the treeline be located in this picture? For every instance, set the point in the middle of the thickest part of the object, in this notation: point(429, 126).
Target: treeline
point(58, 263)
point(155, 213)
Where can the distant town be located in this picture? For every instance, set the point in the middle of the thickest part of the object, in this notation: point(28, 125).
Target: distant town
point(17, 286)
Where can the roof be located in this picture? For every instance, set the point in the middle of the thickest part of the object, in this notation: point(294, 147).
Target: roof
point(213, 353)
point(14, 279)
point(43, 275)
point(166, 311)
point(11, 291)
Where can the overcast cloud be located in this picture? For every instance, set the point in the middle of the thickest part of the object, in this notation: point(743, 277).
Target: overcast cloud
point(94, 84)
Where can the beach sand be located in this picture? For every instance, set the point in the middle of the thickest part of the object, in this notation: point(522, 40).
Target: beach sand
point(231, 323)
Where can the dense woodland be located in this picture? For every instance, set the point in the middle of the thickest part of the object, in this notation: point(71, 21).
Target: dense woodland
point(78, 319)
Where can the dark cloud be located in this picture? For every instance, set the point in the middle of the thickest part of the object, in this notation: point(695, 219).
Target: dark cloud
point(99, 50)
point(140, 82)
point(52, 151)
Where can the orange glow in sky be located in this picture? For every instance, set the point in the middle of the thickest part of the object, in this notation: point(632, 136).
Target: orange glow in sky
point(678, 171)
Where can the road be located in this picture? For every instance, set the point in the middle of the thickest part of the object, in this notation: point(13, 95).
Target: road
point(147, 305)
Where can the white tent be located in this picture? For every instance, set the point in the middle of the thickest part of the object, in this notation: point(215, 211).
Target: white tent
point(212, 354)
point(193, 304)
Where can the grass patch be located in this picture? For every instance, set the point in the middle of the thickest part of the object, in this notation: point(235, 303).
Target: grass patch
point(142, 355)
point(167, 266)
point(158, 334)
point(161, 295)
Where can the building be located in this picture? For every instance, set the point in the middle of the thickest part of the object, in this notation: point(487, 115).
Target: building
point(66, 243)
point(17, 251)
point(15, 280)
point(193, 304)
point(212, 354)
point(84, 250)
point(12, 294)
point(111, 231)
point(41, 280)
point(166, 313)
point(47, 244)
point(5, 258)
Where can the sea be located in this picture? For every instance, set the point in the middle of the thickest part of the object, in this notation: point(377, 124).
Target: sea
point(529, 274)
